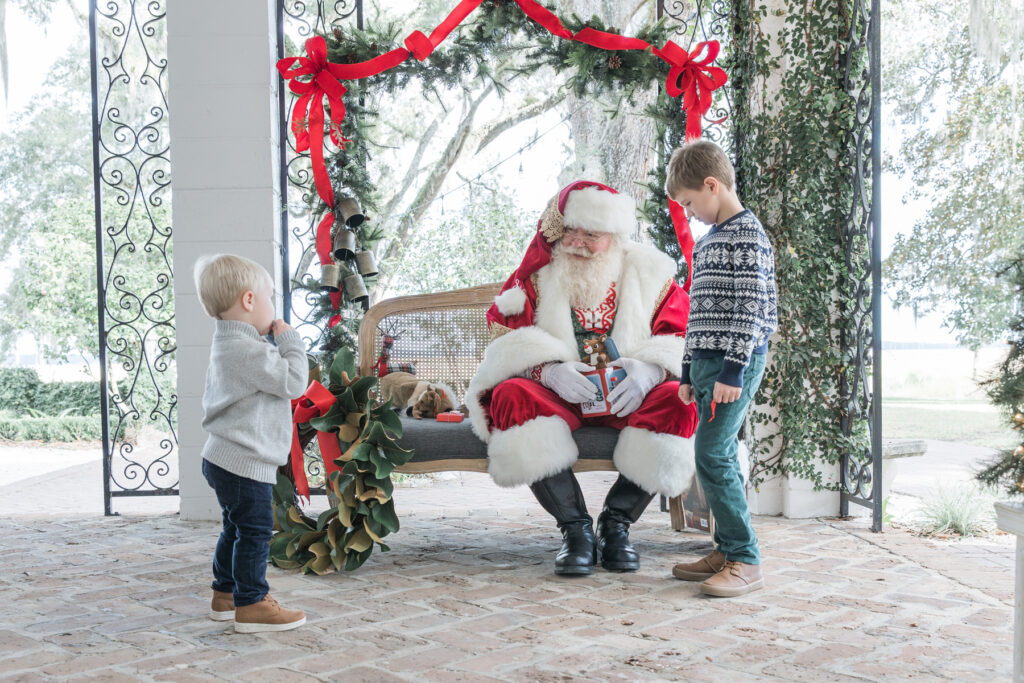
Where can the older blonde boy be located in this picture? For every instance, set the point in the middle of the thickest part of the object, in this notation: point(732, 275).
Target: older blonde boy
point(732, 314)
point(249, 384)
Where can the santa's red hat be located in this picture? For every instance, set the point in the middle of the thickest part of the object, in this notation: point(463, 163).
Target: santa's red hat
point(582, 204)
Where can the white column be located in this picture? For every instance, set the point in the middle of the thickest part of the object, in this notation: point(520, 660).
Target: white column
point(222, 99)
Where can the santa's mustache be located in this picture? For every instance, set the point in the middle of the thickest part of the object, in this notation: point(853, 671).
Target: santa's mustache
point(578, 251)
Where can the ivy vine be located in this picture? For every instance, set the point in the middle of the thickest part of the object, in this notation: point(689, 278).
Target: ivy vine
point(796, 166)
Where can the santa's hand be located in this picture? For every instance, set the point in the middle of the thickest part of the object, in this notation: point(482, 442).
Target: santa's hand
point(641, 377)
point(565, 380)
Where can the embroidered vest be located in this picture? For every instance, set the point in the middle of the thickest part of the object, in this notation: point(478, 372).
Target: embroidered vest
point(589, 323)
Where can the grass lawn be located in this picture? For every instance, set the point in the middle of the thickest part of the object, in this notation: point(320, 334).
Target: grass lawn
point(976, 423)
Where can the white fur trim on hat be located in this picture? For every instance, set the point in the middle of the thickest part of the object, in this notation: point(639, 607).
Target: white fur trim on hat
point(598, 210)
point(531, 451)
point(511, 302)
point(657, 463)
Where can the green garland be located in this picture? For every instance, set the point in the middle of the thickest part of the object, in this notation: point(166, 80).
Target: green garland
point(361, 511)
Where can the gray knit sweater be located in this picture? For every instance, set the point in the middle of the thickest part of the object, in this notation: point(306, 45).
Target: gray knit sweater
point(247, 401)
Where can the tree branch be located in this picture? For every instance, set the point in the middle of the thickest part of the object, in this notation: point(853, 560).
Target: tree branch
point(428, 192)
point(413, 169)
point(492, 131)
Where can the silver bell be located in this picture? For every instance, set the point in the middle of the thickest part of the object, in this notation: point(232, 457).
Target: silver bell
point(344, 245)
point(330, 277)
point(350, 213)
point(355, 290)
point(366, 263)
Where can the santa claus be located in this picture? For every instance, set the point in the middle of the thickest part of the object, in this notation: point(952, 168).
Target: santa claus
point(583, 277)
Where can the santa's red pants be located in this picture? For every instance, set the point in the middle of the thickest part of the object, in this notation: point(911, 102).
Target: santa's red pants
point(531, 437)
point(518, 400)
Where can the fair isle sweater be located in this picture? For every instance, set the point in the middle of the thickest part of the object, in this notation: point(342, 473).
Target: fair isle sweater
point(732, 297)
point(247, 401)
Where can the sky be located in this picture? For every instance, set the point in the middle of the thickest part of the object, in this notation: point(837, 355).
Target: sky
point(32, 49)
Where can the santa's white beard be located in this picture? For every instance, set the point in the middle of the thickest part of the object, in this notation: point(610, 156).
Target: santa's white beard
point(586, 281)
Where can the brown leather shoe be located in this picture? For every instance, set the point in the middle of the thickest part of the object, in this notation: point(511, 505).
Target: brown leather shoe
point(222, 606)
point(267, 615)
point(736, 578)
point(702, 569)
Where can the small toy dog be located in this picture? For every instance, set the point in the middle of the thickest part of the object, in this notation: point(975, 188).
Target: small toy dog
point(419, 398)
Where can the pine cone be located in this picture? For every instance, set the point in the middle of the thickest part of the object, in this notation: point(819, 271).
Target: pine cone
point(338, 35)
point(614, 62)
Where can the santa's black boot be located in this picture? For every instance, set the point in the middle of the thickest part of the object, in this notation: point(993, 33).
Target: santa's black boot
point(624, 504)
point(561, 496)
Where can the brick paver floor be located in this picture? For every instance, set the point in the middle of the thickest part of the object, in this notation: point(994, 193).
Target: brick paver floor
point(471, 597)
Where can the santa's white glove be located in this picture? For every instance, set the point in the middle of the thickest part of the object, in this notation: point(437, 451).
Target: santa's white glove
point(641, 377)
point(565, 380)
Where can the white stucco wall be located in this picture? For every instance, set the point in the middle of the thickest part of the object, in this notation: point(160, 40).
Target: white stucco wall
point(222, 98)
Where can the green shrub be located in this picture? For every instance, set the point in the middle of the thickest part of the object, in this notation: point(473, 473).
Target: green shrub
point(67, 428)
point(22, 392)
point(68, 398)
point(18, 387)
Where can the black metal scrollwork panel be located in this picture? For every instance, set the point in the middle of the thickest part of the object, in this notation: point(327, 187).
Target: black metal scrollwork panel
point(133, 238)
point(861, 467)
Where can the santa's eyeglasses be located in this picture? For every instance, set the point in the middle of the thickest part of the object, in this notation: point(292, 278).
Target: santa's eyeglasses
point(585, 236)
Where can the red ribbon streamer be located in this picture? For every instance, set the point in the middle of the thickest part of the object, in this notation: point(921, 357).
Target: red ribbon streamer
point(315, 402)
point(694, 80)
point(545, 18)
point(685, 236)
point(609, 41)
point(420, 46)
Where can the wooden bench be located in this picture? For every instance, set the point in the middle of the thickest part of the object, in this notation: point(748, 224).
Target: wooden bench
point(445, 335)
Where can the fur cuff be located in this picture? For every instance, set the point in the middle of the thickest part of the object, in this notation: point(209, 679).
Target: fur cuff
point(657, 463)
point(511, 302)
point(663, 350)
point(533, 450)
point(507, 356)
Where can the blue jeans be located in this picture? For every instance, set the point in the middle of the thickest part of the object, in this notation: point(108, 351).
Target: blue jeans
point(240, 561)
point(718, 468)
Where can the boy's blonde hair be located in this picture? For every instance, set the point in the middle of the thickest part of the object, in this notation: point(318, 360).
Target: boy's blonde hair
point(222, 278)
point(695, 161)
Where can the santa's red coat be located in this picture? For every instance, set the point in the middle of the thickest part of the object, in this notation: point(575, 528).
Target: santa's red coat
point(530, 323)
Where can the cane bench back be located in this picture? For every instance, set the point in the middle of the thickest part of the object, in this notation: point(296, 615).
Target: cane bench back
point(444, 335)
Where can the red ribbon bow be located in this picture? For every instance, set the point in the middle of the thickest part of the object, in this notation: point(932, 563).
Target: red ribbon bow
point(308, 113)
point(693, 79)
point(315, 402)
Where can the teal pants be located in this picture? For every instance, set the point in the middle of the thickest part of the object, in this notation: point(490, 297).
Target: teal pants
point(716, 447)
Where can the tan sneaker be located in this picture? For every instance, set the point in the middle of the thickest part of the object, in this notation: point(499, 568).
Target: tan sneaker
point(267, 615)
point(702, 569)
point(222, 606)
point(736, 578)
